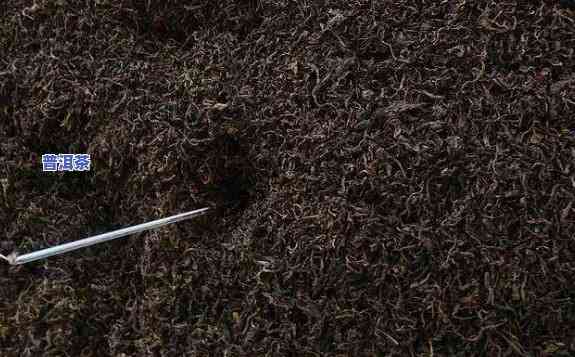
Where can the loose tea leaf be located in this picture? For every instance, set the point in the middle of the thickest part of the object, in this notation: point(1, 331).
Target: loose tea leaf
point(388, 178)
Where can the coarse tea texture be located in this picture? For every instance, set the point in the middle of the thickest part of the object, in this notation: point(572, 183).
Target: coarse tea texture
point(390, 178)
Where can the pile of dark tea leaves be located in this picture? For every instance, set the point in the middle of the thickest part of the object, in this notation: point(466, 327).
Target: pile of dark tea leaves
point(388, 178)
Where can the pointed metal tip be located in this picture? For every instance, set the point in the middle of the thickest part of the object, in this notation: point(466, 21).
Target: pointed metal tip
point(16, 259)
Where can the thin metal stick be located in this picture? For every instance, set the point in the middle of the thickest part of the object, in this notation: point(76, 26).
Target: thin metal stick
point(15, 259)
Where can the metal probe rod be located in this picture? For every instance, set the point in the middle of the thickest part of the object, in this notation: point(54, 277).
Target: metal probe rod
point(15, 259)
